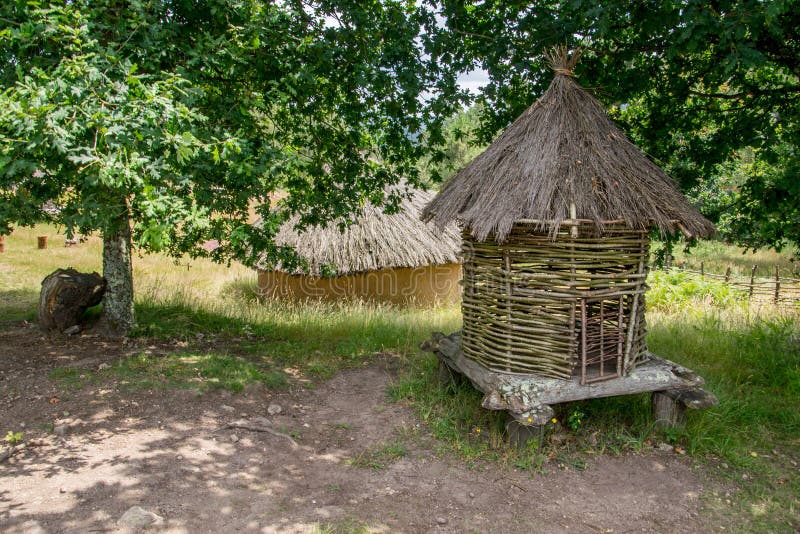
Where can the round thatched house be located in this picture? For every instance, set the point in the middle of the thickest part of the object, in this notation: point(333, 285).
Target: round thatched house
point(389, 258)
point(557, 214)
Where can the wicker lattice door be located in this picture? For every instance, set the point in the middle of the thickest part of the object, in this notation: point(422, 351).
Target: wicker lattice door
point(601, 342)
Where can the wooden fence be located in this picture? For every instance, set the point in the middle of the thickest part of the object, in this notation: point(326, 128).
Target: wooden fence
point(778, 289)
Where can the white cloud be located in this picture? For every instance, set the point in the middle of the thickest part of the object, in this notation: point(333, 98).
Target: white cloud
point(473, 81)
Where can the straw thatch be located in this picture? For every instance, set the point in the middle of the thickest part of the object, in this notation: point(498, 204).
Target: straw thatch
point(563, 159)
point(374, 242)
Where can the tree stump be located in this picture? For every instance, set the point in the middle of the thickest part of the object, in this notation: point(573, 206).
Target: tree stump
point(65, 296)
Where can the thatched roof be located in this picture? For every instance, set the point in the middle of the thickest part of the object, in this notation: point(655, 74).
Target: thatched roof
point(563, 151)
point(375, 241)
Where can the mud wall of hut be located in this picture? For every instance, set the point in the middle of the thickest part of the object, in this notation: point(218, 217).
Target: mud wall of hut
point(423, 286)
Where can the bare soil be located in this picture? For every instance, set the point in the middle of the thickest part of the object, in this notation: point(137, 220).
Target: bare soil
point(91, 454)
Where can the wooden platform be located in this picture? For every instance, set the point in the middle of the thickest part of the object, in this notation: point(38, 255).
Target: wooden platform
point(528, 398)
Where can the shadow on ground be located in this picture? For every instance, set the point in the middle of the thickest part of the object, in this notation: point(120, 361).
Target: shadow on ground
point(359, 461)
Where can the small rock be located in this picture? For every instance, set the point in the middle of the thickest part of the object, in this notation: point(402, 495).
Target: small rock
point(441, 520)
point(262, 421)
point(471, 495)
point(199, 336)
point(227, 408)
point(137, 518)
point(665, 447)
point(234, 438)
point(274, 409)
point(72, 330)
point(103, 367)
point(60, 430)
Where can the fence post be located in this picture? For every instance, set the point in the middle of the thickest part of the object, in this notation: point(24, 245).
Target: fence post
point(777, 285)
point(728, 274)
point(668, 262)
point(752, 280)
point(702, 269)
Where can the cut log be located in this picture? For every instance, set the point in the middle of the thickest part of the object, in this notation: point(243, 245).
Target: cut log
point(65, 296)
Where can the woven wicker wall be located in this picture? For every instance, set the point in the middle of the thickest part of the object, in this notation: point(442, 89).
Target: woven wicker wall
point(525, 301)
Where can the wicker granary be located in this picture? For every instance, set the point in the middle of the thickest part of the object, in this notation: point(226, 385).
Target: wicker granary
point(389, 258)
point(557, 214)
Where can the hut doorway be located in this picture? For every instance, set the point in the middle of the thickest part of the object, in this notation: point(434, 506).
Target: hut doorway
point(601, 340)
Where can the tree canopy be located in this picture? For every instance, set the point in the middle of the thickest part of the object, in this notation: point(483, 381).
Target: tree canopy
point(696, 84)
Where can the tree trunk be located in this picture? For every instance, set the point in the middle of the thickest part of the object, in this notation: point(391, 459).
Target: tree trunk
point(118, 271)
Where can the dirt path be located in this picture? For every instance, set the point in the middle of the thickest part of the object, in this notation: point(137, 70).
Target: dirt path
point(171, 453)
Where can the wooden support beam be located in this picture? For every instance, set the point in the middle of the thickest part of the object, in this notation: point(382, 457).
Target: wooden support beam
point(667, 412)
point(528, 398)
point(669, 407)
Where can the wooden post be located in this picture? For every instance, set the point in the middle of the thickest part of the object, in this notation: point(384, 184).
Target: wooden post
point(2, 244)
point(728, 274)
point(702, 269)
point(447, 376)
point(777, 285)
point(752, 280)
point(520, 435)
point(509, 326)
point(667, 412)
point(41, 242)
point(668, 262)
point(583, 342)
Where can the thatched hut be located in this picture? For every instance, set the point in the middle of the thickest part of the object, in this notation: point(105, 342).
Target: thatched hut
point(557, 214)
point(390, 258)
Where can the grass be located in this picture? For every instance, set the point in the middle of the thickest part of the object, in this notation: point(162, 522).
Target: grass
point(380, 456)
point(348, 525)
point(198, 371)
point(186, 300)
point(750, 357)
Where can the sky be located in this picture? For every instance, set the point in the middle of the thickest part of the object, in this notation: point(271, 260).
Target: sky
point(473, 81)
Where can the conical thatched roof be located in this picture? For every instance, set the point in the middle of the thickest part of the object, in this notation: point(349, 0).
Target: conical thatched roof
point(376, 241)
point(563, 151)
